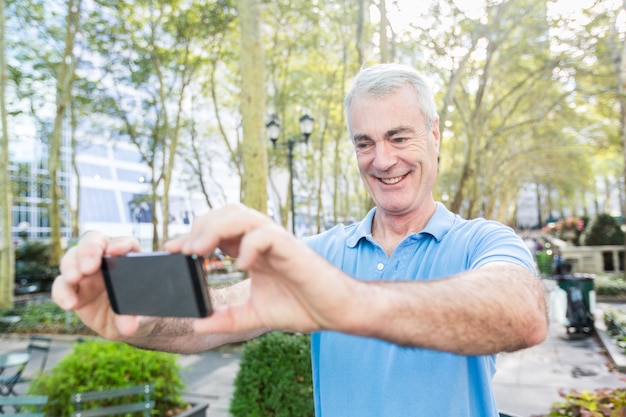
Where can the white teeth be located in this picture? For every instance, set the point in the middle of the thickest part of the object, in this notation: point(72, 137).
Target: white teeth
point(391, 181)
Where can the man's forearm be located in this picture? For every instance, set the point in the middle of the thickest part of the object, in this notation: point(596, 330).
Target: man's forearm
point(493, 309)
point(177, 334)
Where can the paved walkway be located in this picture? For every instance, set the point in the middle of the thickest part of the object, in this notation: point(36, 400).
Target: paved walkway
point(526, 384)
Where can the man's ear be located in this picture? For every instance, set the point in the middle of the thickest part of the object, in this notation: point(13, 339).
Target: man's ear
point(436, 133)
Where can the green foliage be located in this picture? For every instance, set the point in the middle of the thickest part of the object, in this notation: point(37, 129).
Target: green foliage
point(603, 230)
point(275, 378)
point(100, 365)
point(610, 284)
point(615, 321)
point(32, 262)
point(604, 402)
point(44, 318)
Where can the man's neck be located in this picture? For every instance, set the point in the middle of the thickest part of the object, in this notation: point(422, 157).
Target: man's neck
point(389, 230)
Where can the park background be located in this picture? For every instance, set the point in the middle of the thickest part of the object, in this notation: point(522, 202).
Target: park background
point(136, 118)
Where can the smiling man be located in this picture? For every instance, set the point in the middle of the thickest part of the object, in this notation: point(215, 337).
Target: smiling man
point(406, 308)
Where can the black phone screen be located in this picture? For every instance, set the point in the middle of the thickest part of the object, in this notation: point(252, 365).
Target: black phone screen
point(157, 284)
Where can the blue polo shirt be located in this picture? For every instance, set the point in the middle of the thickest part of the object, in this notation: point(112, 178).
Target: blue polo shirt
point(361, 377)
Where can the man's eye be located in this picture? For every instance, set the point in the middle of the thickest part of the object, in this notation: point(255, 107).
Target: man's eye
point(363, 145)
point(399, 140)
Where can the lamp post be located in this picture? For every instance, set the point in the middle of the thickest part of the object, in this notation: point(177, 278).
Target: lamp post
point(138, 213)
point(273, 131)
point(22, 231)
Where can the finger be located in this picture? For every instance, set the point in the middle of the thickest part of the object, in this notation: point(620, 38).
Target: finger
point(127, 325)
point(229, 319)
point(175, 245)
point(122, 245)
point(69, 266)
point(87, 255)
point(262, 240)
point(64, 294)
point(223, 227)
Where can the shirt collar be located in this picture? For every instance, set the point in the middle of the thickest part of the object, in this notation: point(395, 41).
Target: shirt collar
point(438, 225)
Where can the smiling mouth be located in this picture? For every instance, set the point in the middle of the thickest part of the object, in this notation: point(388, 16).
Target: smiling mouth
point(391, 181)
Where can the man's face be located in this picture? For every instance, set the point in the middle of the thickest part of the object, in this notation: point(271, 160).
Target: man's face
point(396, 151)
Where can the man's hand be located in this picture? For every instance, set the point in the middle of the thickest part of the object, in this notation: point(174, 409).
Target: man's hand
point(292, 288)
point(80, 287)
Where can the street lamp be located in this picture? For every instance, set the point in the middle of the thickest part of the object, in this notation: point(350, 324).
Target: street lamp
point(139, 212)
point(273, 131)
point(22, 230)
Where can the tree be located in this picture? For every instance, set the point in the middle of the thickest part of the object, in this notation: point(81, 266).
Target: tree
point(254, 181)
point(65, 80)
point(603, 230)
point(499, 102)
point(7, 252)
point(152, 54)
point(617, 44)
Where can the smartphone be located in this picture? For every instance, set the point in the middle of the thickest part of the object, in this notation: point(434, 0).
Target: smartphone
point(157, 284)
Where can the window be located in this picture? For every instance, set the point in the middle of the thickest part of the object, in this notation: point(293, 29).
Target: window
point(98, 206)
point(94, 171)
point(127, 155)
point(131, 176)
point(95, 150)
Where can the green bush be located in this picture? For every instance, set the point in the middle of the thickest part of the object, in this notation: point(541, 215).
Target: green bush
point(101, 365)
point(46, 317)
point(610, 284)
point(32, 262)
point(603, 230)
point(615, 322)
point(275, 378)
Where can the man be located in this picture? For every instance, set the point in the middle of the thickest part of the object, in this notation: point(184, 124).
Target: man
point(409, 306)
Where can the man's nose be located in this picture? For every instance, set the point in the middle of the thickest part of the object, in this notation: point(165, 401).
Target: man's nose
point(384, 156)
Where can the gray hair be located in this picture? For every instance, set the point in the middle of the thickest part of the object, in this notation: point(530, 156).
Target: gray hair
point(383, 79)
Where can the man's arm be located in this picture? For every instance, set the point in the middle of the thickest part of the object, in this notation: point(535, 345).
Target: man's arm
point(80, 288)
point(177, 335)
point(498, 307)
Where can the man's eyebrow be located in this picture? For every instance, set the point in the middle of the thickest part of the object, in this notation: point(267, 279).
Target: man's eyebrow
point(360, 137)
point(398, 131)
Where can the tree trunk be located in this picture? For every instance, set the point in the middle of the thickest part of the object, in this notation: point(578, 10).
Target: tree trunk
point(385, 56)
point(618, 51)
point(254, 144)
point(63, 97)
point(360, 32)
point(7, 252)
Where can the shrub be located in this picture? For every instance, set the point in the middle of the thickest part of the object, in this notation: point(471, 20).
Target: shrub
point(45, 317)
point(615, 321)
point(275, 378)
point(612, 284)
point(32, 263)
point(603, 230)
point(101, 365)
